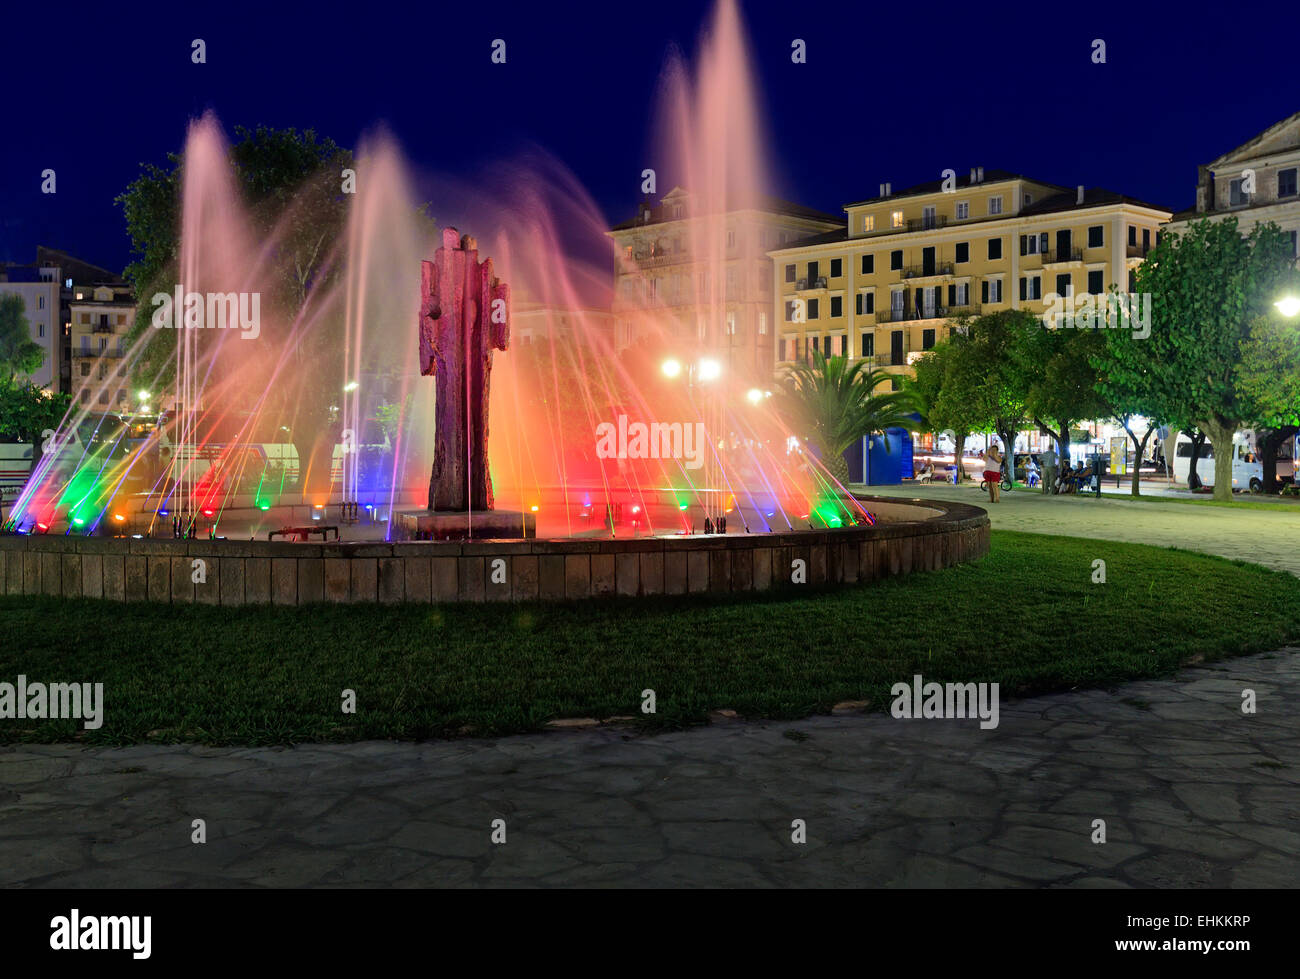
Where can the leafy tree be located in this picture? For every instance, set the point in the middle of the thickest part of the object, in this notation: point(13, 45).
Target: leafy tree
point(944, 403)
point(27, 411)
point(1206, 285)
point(1058, 380)
point(1269, 376)
point(290, 182)
point(987, 366)
point(19, 353)
point(832, 405)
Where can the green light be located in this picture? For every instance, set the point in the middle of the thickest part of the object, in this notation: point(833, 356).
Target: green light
point(681, 506)
point(264, 507)
point(78, 521)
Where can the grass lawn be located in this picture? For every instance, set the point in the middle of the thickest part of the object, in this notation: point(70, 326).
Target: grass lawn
point(275, 675)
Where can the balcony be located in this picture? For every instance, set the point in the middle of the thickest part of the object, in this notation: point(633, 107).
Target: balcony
point(1136, 251)
point(1061, 257)
point(803, 285)
point(927, 224)
point(928, 271)
point(648, 260)
point(913, 315)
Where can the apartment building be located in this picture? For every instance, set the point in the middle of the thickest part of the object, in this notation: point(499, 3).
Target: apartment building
point(1257, 182)
point(101, 319)
point(38, 287)
point(887, 284)
point(706, 277)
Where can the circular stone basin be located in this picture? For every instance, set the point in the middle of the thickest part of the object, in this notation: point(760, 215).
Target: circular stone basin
point(909, 535)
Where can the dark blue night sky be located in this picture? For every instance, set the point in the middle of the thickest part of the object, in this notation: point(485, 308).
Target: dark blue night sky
point(891, 92)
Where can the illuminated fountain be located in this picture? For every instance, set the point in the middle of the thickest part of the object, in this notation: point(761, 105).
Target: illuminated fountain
point(317, 424)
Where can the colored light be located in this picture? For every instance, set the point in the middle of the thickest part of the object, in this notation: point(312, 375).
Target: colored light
point(264, 507)
point(78, 521)
point(41, 526)
point(118, 517)
point(682, 506)
point(671, 368)
point(142, 395)
point(534, 509)
point(164, 513)
point(207, 513)
point(636, 509)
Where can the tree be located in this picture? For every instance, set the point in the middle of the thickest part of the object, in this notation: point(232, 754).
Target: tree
point(1057, 378)
point(27, 412)
point(1269, 377)
point(944, 403)
point(19, 353)
point(832, 405)
point(290, 182)
point(987, 366)
point(1205, 287)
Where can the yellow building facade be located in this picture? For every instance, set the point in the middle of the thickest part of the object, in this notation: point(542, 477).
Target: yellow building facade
point(888, 285)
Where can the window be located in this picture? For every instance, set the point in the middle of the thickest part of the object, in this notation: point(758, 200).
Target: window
point(40, 331)
point(963, 210)
point(857, 307)
point(928, 216)
point(1096, 236)
point(991, 291)
point(813, 269)
point(40, 302)
point(677, 210)
point(868, 345)
point(959, 294)
point(85, 369)
point(837, 267)
point(85, 396)
point(789, 273)
point(731, 239)
point(1029, 199)
point(654, 288)
point(1146, 240)
point(817, 344)
point(896, 301)
point(995, 249)
point(103, 397)
point(85, 319)
point(785, 237)
point(1031, 287)
point(121, 397)
point(1286, 182)
point(927, 339)
point(762, 323)
point(1132, 280)
point(1132, 235)
point(963, 251)
point(789, 311)
point(1096, 285)
point(868, 223)
point(1237, 196)
point(866, 303)
point(995, 205)
point(868, 264)
point(1064, 285)
point(731, 324)
point(813, 308)
point(837, 306)
point(896, 260)
point(895, 219)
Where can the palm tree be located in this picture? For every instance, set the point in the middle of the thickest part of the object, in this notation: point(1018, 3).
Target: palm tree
point(832, 405)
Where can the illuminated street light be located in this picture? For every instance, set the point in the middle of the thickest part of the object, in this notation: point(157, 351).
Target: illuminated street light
point(351, 386)
point(671, 368)
point(754, 395)
point(709, 370)
point(142, 395)
point(1288, 305)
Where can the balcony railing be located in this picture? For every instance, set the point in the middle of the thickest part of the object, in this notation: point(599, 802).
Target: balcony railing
point(804, 284)
point(924, 313)
point(927, 224)
point(1137, 251)
point(925, 271)
point(1056, 256)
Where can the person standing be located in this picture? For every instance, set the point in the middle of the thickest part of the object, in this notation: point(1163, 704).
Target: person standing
point(993, 472)
point(1049, 469)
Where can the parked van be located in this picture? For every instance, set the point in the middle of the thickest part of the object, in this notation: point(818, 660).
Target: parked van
point(1247, 469)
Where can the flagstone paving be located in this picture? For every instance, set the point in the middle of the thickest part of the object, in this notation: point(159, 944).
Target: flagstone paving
point(1193, 792)
point(1267, 537)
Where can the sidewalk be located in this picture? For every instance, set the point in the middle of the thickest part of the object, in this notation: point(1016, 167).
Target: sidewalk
point(1267, 537)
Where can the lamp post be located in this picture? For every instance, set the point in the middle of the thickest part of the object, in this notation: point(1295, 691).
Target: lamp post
point(703, 372)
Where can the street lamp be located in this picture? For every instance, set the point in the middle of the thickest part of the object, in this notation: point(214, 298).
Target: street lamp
point(1288, 305)
point(350, 386)
point(671, 367)
point(709, 370)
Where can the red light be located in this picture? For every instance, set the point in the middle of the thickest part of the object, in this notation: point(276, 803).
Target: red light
point(207, 513)
point(41, 526)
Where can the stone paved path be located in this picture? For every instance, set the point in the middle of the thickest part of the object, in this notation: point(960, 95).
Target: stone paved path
point(1193, 792)
point(1267, 537)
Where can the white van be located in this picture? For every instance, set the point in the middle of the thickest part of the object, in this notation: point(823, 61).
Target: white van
point(1247, 470)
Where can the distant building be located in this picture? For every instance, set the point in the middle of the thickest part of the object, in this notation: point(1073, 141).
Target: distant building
point(101, 318)
point(669, 256)
point(886, 284)
point(534, 322)
point(49, 287)
point(1256, 183)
